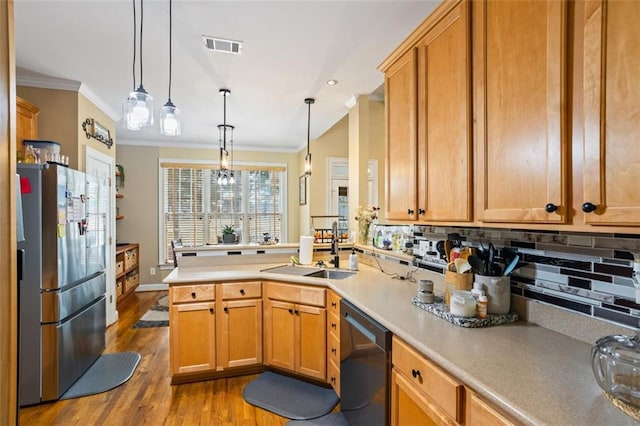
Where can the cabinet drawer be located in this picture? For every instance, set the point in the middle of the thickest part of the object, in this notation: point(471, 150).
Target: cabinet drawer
point(314, 296)
point(243, 290)
point(333, 348)
point(192, 293)
point(429, 378)
point(333, 374)
point(333, 302)
point(333, 325)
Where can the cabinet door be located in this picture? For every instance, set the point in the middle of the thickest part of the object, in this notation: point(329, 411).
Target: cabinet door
point(444, 120)
point(410, 407)
point(311, 341)
point(521, 110)
point(481, 413)
point(612, 107)
point(280, 334)
point(401, 143)
point(192, 335)
point(240, 333)
point(26, 122)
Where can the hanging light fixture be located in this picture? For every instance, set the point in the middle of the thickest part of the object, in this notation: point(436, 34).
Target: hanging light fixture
point(307, 158)
point(137, 109)
point(170, 115)
point(225, 174)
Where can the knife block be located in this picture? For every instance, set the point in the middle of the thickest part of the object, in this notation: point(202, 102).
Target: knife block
point(459, 281)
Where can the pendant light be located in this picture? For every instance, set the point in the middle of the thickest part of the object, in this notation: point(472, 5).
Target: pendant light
point(307, 158)
point(170, 115)
point(137, 109)
point(225, 174)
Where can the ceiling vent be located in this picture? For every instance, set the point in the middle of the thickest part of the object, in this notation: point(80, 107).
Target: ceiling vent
point(222, 45)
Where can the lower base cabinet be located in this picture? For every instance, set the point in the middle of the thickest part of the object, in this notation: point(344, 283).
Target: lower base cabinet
point(480, 412)
point(333, 340)
point(295, 329)
point(421, 392)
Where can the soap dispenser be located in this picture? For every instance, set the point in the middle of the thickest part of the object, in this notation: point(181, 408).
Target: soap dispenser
point(353, 260)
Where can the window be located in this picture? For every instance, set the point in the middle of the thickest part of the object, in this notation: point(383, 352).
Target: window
point(195, 207)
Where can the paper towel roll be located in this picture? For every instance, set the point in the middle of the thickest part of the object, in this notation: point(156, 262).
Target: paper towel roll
point(306, 250)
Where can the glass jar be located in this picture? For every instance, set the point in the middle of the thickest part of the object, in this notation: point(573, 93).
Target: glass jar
point(615, 361)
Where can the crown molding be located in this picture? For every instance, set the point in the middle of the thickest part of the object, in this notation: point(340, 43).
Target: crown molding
point(29, 78)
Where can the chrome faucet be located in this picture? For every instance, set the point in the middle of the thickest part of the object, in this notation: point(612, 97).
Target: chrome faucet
point(335, 250)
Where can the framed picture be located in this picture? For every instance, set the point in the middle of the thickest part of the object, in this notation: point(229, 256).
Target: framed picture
point(93, 129)
point(303, 190)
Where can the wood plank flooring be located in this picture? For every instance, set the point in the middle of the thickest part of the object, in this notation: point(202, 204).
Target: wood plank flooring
point(148, 398)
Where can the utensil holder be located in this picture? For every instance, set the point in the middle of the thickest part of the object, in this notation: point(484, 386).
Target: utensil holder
point(460, 281)
point(498, 291)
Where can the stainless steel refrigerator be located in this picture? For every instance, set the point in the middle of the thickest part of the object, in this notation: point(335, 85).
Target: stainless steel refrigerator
point(62, 293)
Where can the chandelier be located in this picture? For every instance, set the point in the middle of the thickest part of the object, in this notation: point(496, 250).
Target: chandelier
point(225, 174)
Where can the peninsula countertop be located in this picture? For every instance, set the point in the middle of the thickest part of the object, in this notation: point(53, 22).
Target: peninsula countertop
point(536, 375)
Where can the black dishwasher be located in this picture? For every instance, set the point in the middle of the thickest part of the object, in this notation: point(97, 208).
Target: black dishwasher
point(365, 368)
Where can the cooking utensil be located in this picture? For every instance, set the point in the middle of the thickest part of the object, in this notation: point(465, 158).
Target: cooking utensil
point(462, 265)
point(447, 250)
point(511, 266)
point(476, 264)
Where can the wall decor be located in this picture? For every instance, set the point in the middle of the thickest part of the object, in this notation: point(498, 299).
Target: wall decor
point(93, 129)
point(303, 190)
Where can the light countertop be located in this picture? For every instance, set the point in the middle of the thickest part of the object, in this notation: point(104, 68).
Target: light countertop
point(534, 374)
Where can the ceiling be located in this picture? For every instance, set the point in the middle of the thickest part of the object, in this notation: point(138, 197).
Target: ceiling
point(290, 50)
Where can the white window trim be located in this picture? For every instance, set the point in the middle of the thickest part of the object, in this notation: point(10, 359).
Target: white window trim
point(161, 262)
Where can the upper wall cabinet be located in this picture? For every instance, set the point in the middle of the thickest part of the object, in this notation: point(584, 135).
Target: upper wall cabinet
point(611, 112)
point(428, 113)
point(400, 91)
point(520, 56)
point(445, 173)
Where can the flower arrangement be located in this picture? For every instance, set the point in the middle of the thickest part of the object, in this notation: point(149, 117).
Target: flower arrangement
point(365, 217)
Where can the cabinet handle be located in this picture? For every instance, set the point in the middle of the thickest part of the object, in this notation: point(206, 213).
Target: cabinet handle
point(297, 312)
point(226, 310)
point(550, 208)
point(242, 291)
point(333, 380)
point(409, 211)
point(588, 207)
point(420, 211)
point(334, 350)
point(290, 311)
point(212, 311)
point(334, 325)
point(415, 373)
point(333, 304)
point(193, 295)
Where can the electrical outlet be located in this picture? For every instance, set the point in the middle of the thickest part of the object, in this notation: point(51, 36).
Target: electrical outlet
point(152, 271)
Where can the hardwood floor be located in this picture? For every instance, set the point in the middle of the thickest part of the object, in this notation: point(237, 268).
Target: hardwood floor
point(148, 398)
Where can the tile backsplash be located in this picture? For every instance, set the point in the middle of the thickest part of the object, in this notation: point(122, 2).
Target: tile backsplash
point(584, 273)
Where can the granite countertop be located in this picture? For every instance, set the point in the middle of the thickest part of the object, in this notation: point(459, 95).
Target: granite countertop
point(536, 375)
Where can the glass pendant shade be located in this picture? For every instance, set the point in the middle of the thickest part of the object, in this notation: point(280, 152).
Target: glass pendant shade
point(138, 110)
point(224, 159)
point(307, 164)
point(170, 120)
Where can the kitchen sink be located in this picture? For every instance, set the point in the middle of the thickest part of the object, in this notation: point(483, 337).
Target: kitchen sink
point(303, 271)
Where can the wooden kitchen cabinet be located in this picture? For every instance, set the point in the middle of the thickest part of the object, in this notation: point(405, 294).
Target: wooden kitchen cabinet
point(521, 139)
point(239, 335)
point(401, 180)
point(428, 116)
point(295, 328)
point(421, 392)
point(26, 123)
point(481, 413)
point(333, 340)
point(611, 91)
point(192, 331)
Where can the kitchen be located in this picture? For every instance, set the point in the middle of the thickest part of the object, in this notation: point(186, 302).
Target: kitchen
point(575, 227)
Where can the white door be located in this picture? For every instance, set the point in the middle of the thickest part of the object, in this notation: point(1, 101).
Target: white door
point(103, 166)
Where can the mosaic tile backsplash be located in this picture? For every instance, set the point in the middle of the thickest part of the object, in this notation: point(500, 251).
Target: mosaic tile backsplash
point(581, 272)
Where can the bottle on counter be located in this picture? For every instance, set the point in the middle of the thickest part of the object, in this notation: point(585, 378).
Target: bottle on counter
point(353, 260)
point(482, 306)
point(477, 290)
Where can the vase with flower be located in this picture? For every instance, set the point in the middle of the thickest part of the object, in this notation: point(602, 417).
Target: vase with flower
point(365, 217)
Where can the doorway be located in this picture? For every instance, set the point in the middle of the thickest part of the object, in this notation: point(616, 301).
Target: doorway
point(103, 166)
point(338, 195)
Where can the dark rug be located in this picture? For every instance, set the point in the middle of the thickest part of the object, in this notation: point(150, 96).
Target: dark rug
point(289, 397)
point(156, 316)
point(332, 419)
point(108, 372)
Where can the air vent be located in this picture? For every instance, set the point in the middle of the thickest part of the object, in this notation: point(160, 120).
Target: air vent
point(222, 45)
